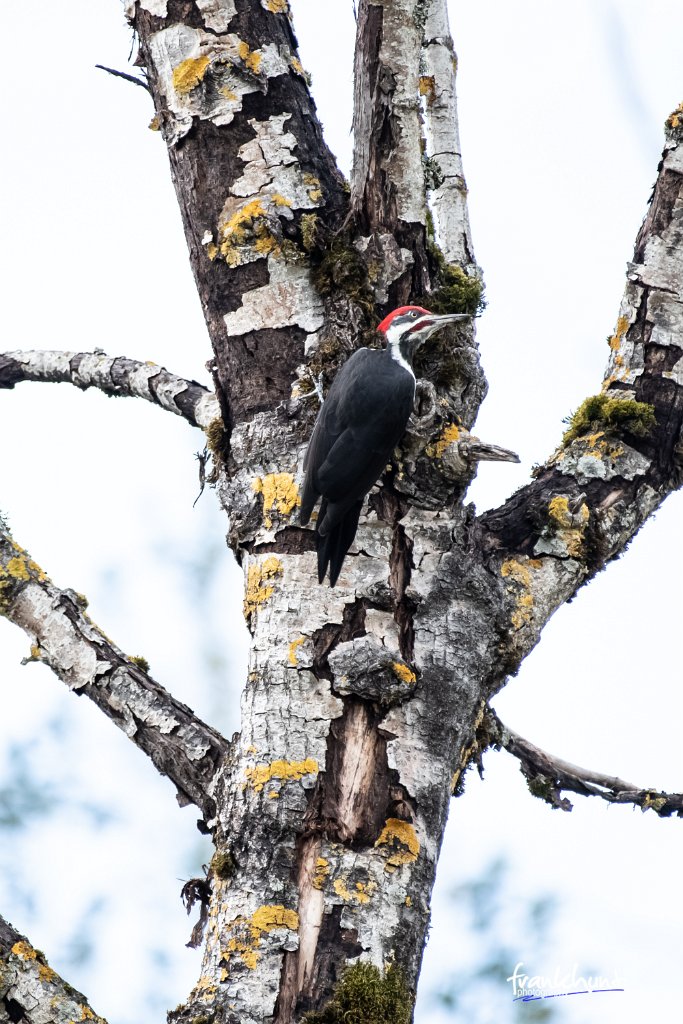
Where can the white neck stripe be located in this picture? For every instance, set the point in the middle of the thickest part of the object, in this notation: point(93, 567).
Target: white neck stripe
point(395, 351)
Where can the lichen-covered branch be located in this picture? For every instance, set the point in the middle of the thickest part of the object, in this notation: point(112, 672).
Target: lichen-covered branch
point(63, 636)
point(31, 992)
point(115, 375)
point(549, 776)
point(623, 451)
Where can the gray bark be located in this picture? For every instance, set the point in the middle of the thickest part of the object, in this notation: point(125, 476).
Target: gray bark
point(363, 704)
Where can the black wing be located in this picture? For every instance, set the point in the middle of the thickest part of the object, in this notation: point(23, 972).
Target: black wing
point(358, 426)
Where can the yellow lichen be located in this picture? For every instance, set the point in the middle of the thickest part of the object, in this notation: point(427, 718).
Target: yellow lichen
point(279, 492)
point(361, 893)
point(228, 94)
point(569, 527)
point(427, 88)
point(155, 124)
point(313, 187)
point(264, 920)
point(277, 6)
point(675, 118)
point(205, 989)
point(449, 435)
point(17, 569)
point(402, 839)
point(322, 870)
point(618, 336)
point(285, 771)
point(520, 574)
point(468, 750)
point(273, 795)
point(212, 251)
point(297, 66)
point(252, 58)
point(405, 674)
point(188, 74)
point(408, 901)
point(267, 918)
point(259, 586)
point(246, 953)
point(24, 950)
point(46, 973)
point(280, 200)
point(291, 657)
point(248, 225)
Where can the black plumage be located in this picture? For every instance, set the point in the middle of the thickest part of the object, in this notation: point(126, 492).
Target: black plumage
point(359, 424)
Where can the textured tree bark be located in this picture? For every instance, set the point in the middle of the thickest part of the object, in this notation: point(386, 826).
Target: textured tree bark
point(363, 704)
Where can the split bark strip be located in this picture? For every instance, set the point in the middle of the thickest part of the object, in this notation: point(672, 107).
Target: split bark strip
point(623, 453)
point(114, 375)
point(549, 776)
point(445, 176)
point(64, 637)
point(388, 185)
point(31, 991)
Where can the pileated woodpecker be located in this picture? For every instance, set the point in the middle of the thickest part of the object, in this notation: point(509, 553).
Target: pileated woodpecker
point(359, 424)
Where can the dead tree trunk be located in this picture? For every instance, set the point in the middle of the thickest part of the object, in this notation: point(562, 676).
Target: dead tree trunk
point(365, 703)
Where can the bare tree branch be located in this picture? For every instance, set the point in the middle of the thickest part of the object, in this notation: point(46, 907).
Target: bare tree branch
point(623, 452)
point(124, 75)
point(31, 991)
point(64, 637)
point(548, 776)
point(115, 375)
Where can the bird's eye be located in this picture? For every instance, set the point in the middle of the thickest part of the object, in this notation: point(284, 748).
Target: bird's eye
point(414, 314)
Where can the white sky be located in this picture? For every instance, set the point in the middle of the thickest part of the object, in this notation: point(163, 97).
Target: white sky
point(561, 110)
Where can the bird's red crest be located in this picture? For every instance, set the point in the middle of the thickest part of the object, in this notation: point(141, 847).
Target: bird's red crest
point(386, 323)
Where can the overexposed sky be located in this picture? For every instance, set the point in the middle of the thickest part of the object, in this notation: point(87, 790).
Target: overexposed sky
point(561, 108)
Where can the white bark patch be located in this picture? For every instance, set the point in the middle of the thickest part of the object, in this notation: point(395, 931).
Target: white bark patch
point(448, 201)
point(665, 312)
point(207, 409)
point(47, 363)
point(270, 189)
point(159, 8)
point(41, 614)
point(288, 300)
point(217, 14)
point(273, 167)
point(599, 458)
point(204, 75)
point(137, 704)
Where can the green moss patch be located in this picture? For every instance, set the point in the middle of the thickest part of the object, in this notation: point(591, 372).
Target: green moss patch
point(365, 995)
point(613, 415)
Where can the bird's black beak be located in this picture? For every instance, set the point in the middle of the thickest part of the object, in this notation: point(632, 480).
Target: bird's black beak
point(432, 323)
point(437, 322)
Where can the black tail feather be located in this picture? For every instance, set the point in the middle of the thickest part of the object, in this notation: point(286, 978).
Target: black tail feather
point(332, 548)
